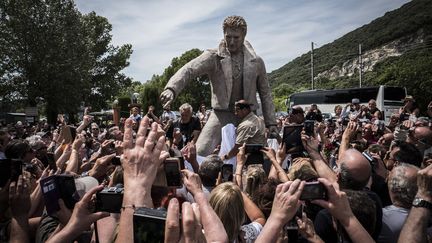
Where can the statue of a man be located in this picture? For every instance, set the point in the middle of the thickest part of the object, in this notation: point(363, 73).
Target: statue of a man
point(235, 73)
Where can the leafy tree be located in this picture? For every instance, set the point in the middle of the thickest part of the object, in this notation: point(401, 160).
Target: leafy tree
point(195, 93)
point(50, 51)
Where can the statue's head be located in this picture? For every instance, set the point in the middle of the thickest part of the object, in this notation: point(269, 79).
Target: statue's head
point(235, 29)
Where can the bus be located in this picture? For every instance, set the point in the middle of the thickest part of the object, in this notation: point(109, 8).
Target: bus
point(388, 98)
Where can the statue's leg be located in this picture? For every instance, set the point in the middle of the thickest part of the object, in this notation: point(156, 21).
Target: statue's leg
point(211, 136)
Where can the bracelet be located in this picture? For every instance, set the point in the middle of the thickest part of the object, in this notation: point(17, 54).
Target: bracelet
point(129, 206)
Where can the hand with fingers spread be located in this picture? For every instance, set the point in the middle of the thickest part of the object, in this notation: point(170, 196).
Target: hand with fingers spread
point(81, 219)
point(140, 162)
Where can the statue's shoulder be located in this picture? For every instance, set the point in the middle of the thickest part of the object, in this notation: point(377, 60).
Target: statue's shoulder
point(211, 52)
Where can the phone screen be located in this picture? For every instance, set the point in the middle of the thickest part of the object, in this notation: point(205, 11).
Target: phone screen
point(51, 194)
point(51, 161)
point(313, 190)
point(227, 172)
point(149, 226)
point(172, 172)
point(292, 139)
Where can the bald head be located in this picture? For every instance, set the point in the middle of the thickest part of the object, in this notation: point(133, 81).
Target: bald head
point(355, 170)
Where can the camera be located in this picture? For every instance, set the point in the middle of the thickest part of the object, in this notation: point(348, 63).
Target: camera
point(253, 148)
point(255, 156)
point(309, 126)
point(110, 199)
point(345, 121)
point(172, 172)
point(57, 187)
point(149, 225)
point(314, 190)
point(292, 139)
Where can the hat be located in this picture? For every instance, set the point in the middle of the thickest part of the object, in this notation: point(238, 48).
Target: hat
point(409, 97)
point(85, 184)
point(355, 101)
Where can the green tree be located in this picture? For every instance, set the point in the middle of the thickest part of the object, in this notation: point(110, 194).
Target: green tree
point(49, 50)
point(195, 93)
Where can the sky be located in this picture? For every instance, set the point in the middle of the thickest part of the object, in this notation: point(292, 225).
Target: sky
point(279, 30)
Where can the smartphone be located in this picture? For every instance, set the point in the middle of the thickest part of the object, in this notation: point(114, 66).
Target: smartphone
point(292, 224)
point(73, 132)
point(149, 225)
point(51, 161)
point(313, 190)
point(227, 172)
point(253, 148)
point(116, 160)
point(309, 126)
point(292, 139)
point(57, 187)
point(172, 173)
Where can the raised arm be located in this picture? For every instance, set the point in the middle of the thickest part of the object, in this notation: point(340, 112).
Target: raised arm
point(338, 206)
point(213, 227)
point(415, 227)
point(140, 161)
point(321, 167)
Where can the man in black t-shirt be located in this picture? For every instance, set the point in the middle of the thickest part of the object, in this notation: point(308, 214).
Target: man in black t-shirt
point(185, 129)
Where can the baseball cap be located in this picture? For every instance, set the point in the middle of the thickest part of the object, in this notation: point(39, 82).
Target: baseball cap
point(85, 184)
point(355, 101)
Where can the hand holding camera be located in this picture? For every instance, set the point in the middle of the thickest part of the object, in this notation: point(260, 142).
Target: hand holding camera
point(337, 202)
point(286, 201)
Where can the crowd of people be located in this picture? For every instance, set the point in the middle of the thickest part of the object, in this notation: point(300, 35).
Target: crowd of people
point(355, 178)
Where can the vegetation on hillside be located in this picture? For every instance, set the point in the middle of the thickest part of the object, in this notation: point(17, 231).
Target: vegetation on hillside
point(411, 69)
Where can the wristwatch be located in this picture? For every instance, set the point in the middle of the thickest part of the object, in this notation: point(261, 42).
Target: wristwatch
point(421, 203)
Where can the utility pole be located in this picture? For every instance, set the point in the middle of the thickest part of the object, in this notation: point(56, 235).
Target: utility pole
point(312, 65)
point(360, 65)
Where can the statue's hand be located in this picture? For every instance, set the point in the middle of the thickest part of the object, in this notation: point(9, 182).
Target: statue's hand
point(167, 97)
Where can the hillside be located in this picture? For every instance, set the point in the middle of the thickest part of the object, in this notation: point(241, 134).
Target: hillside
point(396, 49)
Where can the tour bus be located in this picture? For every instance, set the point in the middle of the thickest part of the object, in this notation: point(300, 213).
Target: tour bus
point(388, 98)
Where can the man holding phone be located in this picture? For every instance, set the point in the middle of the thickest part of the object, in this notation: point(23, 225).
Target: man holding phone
point(251, 129)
